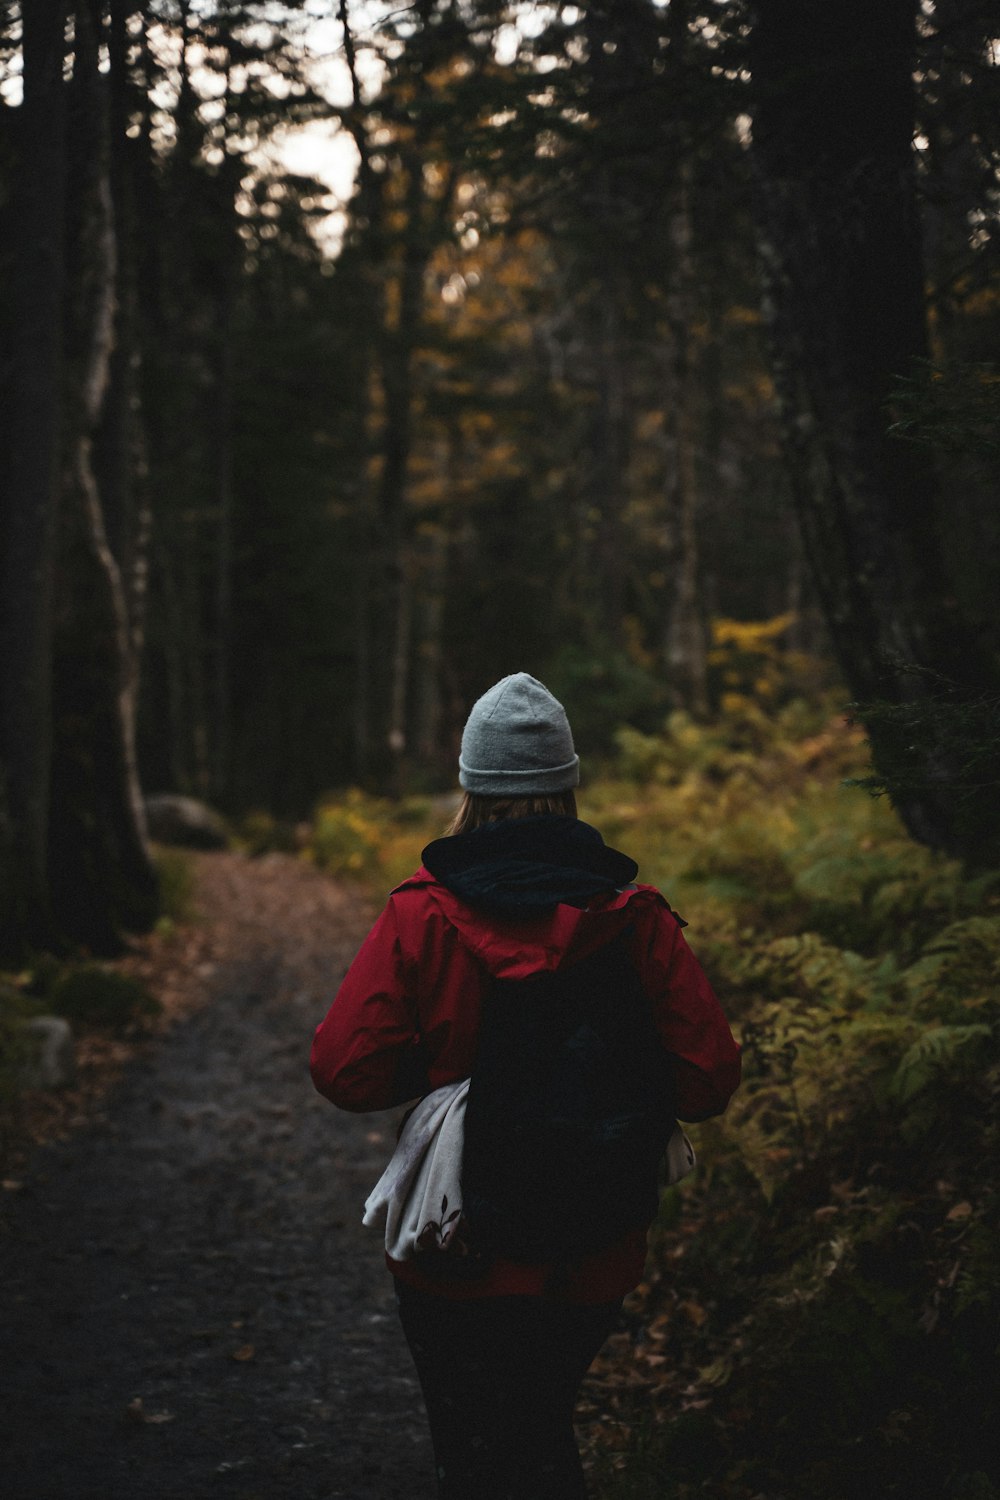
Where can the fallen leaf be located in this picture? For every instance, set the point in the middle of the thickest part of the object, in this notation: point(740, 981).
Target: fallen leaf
point(243, 1353)
point(718, 1372)
point(959, 1211)
point(137, 1413)
point(694, 1312)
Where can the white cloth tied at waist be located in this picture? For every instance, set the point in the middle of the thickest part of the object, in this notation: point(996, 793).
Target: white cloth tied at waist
point(420, 1190)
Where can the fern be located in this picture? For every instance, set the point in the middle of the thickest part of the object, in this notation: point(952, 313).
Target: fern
point(932, 1053)
point(960, 966)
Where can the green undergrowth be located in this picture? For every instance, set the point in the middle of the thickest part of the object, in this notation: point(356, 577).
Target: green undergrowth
point(840, 1238)
point(176, 881)
point(373, 840)
point(91, 996)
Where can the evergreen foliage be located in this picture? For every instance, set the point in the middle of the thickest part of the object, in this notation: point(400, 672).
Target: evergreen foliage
point(509, 404)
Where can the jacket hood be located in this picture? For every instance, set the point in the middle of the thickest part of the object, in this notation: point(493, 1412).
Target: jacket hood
point(521, 867)
point(531, 894)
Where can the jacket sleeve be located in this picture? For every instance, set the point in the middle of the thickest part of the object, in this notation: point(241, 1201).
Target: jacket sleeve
point(366, 1053)
point(690, 1022)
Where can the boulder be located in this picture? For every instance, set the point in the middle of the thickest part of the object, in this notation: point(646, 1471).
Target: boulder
point(54, 1063)
point(185, 821)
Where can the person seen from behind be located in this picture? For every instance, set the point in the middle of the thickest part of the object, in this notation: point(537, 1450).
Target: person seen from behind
point(522, 955)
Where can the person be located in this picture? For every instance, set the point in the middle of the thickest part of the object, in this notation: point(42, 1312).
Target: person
point(518, 887)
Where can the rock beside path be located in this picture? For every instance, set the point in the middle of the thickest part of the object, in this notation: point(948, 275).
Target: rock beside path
point(185, 821)
point(53, 1065)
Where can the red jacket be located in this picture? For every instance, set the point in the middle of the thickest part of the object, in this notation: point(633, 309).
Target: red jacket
point(405, 1021)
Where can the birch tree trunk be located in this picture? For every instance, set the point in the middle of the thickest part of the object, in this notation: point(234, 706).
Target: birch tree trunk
point(101, 872)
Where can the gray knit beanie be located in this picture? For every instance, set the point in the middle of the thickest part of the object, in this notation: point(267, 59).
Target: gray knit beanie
point(517, 742)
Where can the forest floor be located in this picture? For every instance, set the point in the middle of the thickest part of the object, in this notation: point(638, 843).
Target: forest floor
point(191, 1306)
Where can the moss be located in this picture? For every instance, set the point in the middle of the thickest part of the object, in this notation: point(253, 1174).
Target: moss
point(175, 872)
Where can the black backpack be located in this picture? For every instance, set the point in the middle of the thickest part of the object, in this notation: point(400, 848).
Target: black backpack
point(570, 1106)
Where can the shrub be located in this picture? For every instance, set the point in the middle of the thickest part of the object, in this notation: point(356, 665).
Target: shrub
point(602, 690)
point(260, 833)
point(371, 839)
point(347, 835)
point(93, 996)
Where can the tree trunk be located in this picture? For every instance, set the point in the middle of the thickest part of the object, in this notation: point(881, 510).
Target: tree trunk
point(370, 635)
point(840, 242)
point(101, 873)
point(398, 349)
point(687, 643)
point(424, 224)
point(606, 475)
point(223, 706)
point(430, 654)
point(686, 635)
point(399, 677)
point(31, 421)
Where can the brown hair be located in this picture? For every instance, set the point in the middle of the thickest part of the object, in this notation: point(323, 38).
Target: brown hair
point(475, 811)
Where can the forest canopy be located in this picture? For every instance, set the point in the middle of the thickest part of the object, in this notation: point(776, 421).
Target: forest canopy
point(597, 327)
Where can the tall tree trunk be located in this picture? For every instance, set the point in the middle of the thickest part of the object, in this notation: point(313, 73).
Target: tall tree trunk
point(398, 349)
point(101, 873)
point(429, 662)
point(686, 630)
point(223, 706)
point(424, 223)
point(399, 678)
point(840, 241)
point(230, 266)
point(31, 430)
point(606, 476)
point(686, 636)
point(369, 580)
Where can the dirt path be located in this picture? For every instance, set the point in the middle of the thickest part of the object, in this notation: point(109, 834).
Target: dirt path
point(190, 1306)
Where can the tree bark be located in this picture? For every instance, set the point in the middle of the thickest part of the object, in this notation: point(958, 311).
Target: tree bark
point(398, 348)
point(101, 872)
point(368, 211)
point(841, 247)
point(424, 222)
point(223, 705)
point(686, 630)
point(687, 641)
point(32, 418)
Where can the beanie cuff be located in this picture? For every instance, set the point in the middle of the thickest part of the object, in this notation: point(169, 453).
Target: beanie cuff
point(491, 782)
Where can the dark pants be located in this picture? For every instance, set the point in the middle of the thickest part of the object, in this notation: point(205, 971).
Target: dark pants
point(500, 1376)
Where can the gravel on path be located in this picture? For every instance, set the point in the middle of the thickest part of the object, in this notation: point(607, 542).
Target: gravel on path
point(190, 1307)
